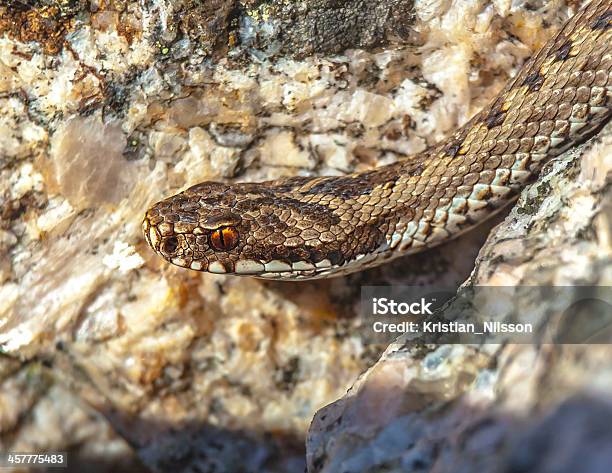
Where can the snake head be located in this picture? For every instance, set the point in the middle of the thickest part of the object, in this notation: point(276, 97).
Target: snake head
point(270, 230)
point(195, 229)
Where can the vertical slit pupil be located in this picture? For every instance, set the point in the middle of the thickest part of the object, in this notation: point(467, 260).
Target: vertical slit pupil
point(224, 239)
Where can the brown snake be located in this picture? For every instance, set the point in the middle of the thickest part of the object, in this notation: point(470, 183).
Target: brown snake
point(302, 228)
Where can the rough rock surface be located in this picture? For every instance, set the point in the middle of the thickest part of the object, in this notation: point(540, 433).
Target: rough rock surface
point(301, 29)
point(494, 408)
point(108, 106)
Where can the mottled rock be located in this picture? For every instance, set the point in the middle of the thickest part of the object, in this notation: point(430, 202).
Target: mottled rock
point(496, 408)
point(86, 165)
point(35, 403)
point(126, 102)
point(46, 21)
point(208, 24)
point(280, 149)
point(327, 26)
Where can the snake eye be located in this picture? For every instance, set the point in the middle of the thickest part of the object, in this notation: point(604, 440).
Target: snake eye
point(224, 238)
point(170, 245)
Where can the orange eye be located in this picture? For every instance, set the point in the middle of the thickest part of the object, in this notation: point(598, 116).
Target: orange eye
point(224, 238)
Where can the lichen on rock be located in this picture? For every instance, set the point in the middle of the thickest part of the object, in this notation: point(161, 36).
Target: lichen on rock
point(325, 26)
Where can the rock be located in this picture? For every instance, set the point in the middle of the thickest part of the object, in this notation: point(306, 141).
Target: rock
point(35, 403)
point(326, 26)
point(280, 149)
point(86, 165)
point(107, 107)
point(493, 407)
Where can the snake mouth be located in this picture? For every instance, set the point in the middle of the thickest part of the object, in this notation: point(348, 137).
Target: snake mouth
point(151, 234)
point(304, 270)
point(274, 269)
point(281, 270)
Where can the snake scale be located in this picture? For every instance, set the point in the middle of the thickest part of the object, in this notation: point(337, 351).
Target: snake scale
point(314, 227)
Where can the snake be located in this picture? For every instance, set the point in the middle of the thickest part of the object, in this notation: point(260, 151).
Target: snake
point(316, 227)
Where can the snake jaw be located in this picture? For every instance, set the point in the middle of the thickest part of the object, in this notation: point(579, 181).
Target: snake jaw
point(151, 234)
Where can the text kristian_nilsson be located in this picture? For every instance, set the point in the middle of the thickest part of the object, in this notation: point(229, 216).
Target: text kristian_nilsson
point(383, 306)
point(452, 327)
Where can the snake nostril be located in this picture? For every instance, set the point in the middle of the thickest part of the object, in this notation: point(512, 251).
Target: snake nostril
point(170, 245)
